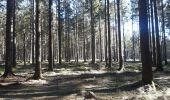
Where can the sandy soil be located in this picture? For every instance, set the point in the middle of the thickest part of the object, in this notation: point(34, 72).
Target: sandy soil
point(77, 82)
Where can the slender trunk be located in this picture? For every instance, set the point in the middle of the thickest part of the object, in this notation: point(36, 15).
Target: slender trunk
point(50, 43)
point(163, 32)
point(133, 41)
point(3, 48)
point(92, 33)
point(121, 66)
point(68, 36)
point(124, 41)
point(106, 33)
point(114, 44)
point(30, 36)
point(64, 32)
point(158, 59)
point(84, 39)
point(14, 34)
point(109, 36)
point(87, 47)
point(43, 56)
point(24, 52)
point(59, 32)
point(149, 28)
point(33, 34)
point(77, 39)
point(101, 50)
point(116, 33)
point(84, 48)
point(54, 49)
point(38, 73)
point(153, 35)
point(75, 44)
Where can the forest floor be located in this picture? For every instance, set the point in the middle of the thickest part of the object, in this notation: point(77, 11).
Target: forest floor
point(72, 81)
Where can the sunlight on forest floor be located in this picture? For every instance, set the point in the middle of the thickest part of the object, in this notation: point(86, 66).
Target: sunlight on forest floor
point(69, 80)
point(35, 82)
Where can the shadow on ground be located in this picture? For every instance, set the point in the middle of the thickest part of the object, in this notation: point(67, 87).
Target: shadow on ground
point(61, 87)
point(64, 85)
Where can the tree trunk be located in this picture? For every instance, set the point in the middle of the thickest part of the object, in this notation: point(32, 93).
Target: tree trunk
point(114, 44)
point(116, 33)
point(33, 33)
point(124, 41)
point(158, 52)
point(106, 33)
point(101, 50)
point(14, 34)
point(68, 37)
point(50, 43)
point(164, 36)
point(59, 32)
point(121, 66)
point(24, 51)
point(133, 41)
point(109, 36)
point(8, 56)
point(144, 40)
point(92, 33)
point(84, 38)
point(77, 39)
point(38, 73)
point(153, 35)
point(30, 37)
